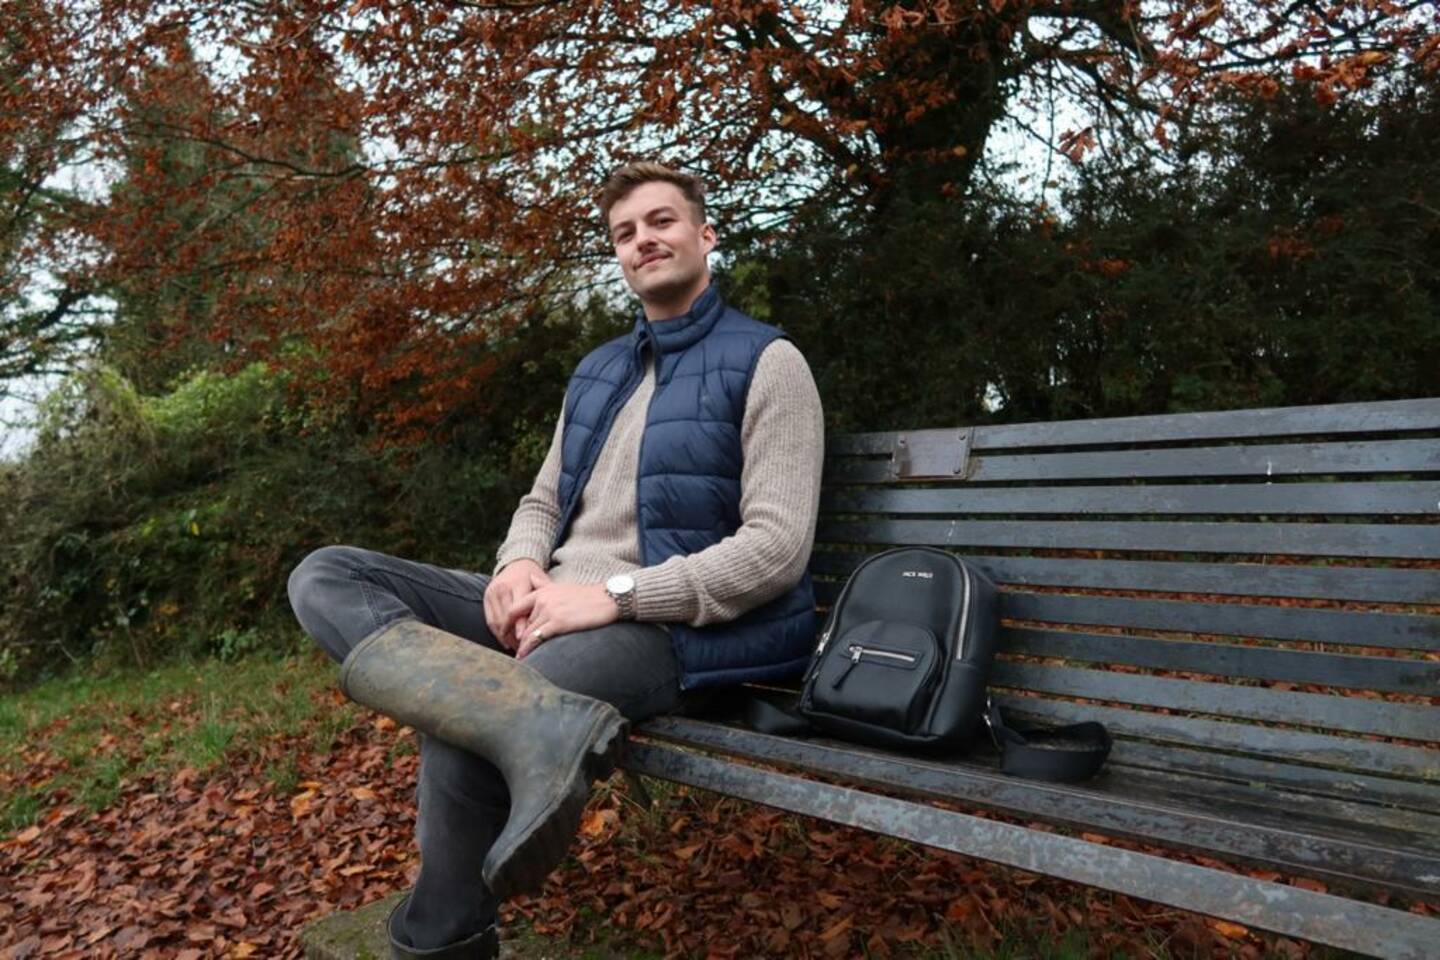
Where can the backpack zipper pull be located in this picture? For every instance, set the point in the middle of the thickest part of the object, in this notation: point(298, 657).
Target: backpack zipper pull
point(855, 652)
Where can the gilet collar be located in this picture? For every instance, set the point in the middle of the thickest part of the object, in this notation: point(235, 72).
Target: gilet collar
point(668, 336)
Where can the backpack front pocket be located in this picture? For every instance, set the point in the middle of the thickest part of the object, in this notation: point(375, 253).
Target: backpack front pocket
point(878, 672)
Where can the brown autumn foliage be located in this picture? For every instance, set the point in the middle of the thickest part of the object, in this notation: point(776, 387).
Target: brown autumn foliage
point(225, 865)
point(376, 193)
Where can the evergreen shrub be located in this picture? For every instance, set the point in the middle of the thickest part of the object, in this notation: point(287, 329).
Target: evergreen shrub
point(143, 527)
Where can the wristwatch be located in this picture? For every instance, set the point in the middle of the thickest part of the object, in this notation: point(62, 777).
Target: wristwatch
point(621, 589)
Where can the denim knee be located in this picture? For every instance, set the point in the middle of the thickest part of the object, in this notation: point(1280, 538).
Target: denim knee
point(308, 581)
point(320, 587)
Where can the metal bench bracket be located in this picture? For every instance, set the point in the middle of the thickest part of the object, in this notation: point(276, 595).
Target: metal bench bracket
point(931, 455)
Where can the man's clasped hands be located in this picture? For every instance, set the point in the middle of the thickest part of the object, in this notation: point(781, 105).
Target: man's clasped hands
point(524, 607)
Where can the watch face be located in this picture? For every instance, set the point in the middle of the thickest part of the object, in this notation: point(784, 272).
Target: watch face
point(621, 583)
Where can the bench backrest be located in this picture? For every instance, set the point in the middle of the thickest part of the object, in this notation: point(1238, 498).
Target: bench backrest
point(1253, 594)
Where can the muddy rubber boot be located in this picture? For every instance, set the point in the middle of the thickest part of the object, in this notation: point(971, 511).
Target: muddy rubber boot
point(484, 945)
point(548, 743)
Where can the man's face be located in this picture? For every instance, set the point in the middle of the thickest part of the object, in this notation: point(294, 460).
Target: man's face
point(661, 248)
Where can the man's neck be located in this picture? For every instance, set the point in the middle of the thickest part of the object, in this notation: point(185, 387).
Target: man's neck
point(675, 308)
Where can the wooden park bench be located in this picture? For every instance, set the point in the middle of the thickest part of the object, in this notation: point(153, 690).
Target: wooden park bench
point(1249, 600)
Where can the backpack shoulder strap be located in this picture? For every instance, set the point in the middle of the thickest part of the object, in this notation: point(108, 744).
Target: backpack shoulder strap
point(1060, 754)
point(768, 717)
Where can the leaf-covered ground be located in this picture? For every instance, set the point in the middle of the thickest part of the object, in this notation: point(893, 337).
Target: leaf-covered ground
point(213, 810)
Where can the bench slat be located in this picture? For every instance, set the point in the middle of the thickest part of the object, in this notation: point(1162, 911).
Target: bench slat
point(1396, 631)
point(1288, 539)
point(1207, 752)
point(1390, 674)
point(1288, 910)
point(1363, 498)
point(1347, 753)
point(1344, 830)
point(1317, 710)
point(1401, 804)
point(1337, 418)
point(1235, 579)
point(1122, 802)
point(1264, 460)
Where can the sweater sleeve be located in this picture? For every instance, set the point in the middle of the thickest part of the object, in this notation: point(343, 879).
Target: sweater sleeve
point(532, 528)
point(782, 439)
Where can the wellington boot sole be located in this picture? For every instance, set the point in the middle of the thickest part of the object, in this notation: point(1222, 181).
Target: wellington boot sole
point(525, 862)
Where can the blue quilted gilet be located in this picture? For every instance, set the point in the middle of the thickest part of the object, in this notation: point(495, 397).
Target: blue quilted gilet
point(688, 485)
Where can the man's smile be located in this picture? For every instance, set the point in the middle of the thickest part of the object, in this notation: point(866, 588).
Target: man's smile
point(651, 258)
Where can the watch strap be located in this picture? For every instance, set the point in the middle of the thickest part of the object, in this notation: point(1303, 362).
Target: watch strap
point(625, 601)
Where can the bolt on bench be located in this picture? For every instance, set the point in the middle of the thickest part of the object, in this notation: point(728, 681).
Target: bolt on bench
point(1249, 600)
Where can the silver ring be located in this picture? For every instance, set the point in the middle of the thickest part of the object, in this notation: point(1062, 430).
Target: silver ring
point(538, 633)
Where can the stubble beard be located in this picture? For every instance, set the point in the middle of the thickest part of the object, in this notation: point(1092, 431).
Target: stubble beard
point(669, 289)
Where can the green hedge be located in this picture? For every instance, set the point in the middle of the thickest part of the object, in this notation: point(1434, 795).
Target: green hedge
point(143, 526)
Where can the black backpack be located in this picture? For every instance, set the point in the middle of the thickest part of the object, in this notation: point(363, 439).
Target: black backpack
point(903, 664)
point(905, 654)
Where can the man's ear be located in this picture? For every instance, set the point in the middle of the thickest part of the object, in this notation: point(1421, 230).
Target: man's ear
point(707, 237)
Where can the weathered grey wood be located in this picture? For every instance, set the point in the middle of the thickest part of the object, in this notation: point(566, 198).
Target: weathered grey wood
point(1289, 910)
point(1344, 831)
point(1216, 760)
point(1264, 460)
point(1287, 539)
point(1402, 804)
point(1320, 711)
point(1302, 781)
point(1132, 802)
point(1375, 584)
point(1221, 499)
point(1312, 762)
point(1388, 674)
point(1327, 419)
point(1352, 628)
point(1347, 753)
point(1340, 627)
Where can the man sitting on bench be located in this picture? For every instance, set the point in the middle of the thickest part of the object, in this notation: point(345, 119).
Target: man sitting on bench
point(662, 549)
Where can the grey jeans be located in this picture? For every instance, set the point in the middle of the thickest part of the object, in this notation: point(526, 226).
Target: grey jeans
point(341, 594)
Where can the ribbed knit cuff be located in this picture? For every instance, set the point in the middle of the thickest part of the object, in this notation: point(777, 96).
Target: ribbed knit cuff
point(510, 552)
point(663, 595)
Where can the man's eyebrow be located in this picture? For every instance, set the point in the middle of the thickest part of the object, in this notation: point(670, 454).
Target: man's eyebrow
point(663, 208)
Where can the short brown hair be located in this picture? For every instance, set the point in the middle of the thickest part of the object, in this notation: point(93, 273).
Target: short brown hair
point(632, 175)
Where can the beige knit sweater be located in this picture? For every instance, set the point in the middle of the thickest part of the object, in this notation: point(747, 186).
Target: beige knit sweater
point(783, 441)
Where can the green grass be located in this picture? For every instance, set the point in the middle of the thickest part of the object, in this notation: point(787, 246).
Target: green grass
point(1072, 945)
point(94, 733)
